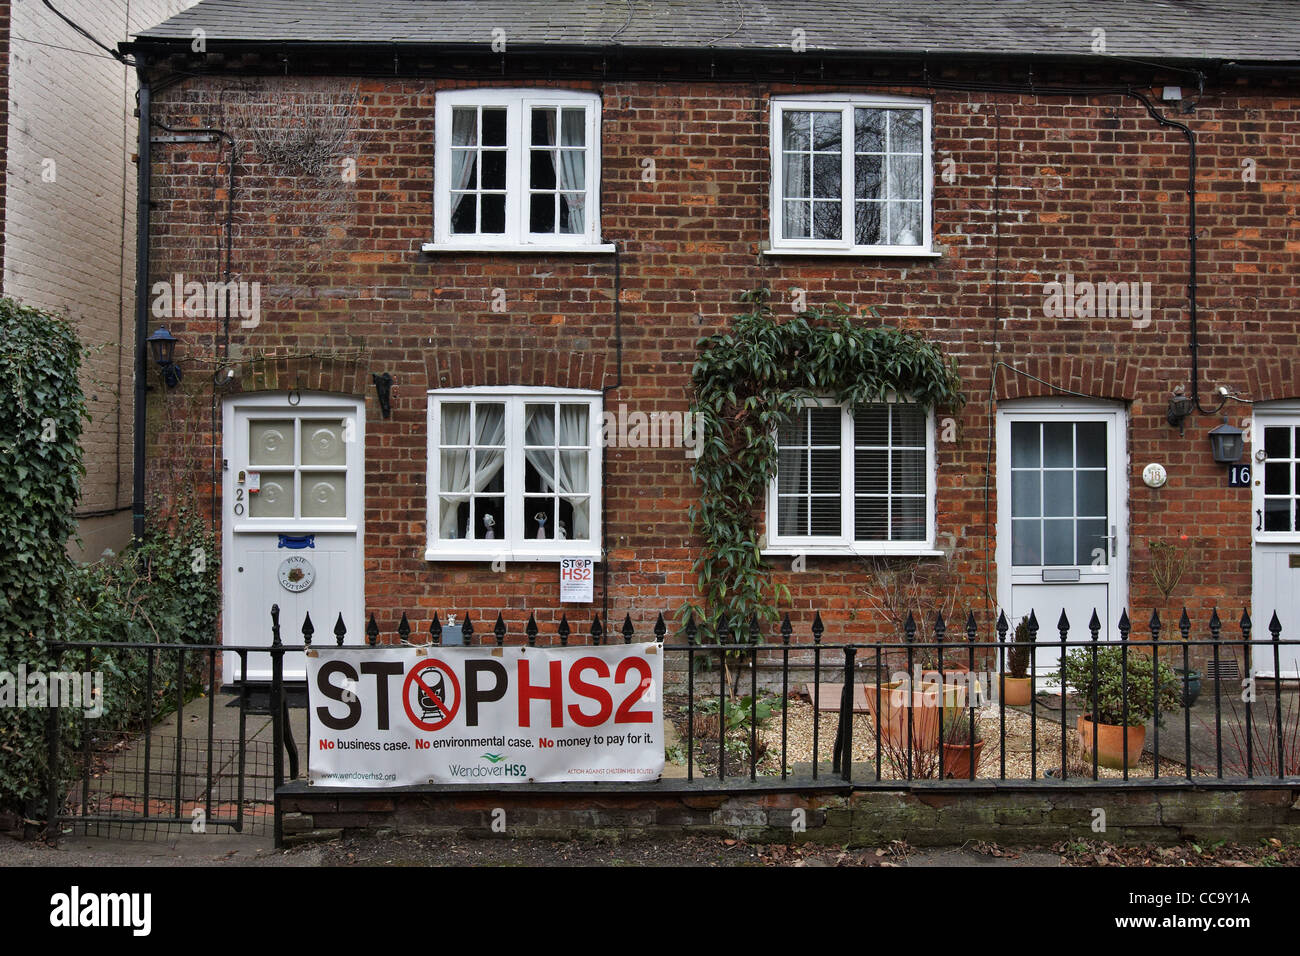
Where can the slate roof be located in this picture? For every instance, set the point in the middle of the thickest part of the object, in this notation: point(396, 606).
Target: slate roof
point(1242, 30)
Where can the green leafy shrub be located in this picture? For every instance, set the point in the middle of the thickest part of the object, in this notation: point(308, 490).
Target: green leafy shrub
point(1110, 684)
point(41, 413)
point(1021, 648)
point(749, 380)
point(163, 588)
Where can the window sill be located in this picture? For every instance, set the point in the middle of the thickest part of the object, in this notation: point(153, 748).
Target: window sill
point(510, 248)
point(851, 551)
point(917, 253)
point(512, 556)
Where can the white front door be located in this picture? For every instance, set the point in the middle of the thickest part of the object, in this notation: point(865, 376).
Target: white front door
point(1062, 517)
point(1275, 514)
point(292, 494)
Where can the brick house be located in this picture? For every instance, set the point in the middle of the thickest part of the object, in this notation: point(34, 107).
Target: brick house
point(526, 214)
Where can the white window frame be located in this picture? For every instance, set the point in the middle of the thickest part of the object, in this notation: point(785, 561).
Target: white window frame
point(1273, 414)
point(518, 103)
point(845, 104)
point(778, 544)
point(513, 545)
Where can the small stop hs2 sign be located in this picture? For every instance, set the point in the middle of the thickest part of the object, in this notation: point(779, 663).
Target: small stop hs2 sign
point(575, 571)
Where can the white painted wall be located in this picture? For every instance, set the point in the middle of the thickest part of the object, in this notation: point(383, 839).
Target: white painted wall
point(70, 216)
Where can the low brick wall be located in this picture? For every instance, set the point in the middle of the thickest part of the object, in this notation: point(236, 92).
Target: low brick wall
point(928, 815)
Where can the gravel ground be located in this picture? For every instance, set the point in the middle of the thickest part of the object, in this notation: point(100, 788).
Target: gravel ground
point(800, 743)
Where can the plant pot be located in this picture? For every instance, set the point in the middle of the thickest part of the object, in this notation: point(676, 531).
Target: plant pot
point(890, 711)
point(957, 760)
point(1110, 742)
point(1017, 691)
point(1191, 681)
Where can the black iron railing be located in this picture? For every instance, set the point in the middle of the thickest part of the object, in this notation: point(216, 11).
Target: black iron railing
point(916, 690)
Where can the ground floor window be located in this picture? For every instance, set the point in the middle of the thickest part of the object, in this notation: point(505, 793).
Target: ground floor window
point(856, 480)
point(513, 474)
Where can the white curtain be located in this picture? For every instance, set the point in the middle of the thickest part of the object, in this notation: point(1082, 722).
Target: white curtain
point(573, 467)
point(464, 132)
point(573, 172)
point(456, 463)
point(572, 464)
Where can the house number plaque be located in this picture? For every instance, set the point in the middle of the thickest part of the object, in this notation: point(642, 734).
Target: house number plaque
point(296, 574)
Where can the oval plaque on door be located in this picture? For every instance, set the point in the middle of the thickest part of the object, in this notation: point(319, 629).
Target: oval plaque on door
point(296, 574)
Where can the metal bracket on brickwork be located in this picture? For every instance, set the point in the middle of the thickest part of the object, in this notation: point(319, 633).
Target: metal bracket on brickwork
point(185, 138)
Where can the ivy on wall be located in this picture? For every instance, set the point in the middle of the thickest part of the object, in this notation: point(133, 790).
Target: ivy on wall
point(164, 588)
point(42, 409)
point(747, 382)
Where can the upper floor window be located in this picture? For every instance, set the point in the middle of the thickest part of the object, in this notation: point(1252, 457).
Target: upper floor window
point(517, 168)
point(854, 481)
point(851, 174)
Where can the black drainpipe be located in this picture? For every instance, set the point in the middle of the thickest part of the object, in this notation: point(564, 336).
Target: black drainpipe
point(143, 169)
point(604, 450)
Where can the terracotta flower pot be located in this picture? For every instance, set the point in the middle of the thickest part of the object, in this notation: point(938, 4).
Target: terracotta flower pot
point(1110, 742)
point(891, 710)
point(957, 760)
point(1017, 691)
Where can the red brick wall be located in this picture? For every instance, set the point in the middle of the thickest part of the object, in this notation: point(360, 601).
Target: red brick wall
point(1089, 185)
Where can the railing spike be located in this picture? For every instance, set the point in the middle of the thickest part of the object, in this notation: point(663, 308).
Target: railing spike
point(563, 629)
point(531, 629)
point(692, 628)
point(1124, 624)
point(499, 629)
point(372, 631)
point(598, 630)
point(786, 628)
point(627, 629)
point(404, 629)
point(308, 629)
point(467, 630)
point(971, 626)
point(435, 630)
point(1063, 624)
point(818, 628)
point(660, 627)
point(340, 630)
point(1094, 624)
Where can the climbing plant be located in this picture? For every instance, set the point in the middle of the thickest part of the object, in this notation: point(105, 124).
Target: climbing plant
point(747, 382)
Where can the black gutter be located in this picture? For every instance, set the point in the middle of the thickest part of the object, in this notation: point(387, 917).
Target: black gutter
point(142, 174)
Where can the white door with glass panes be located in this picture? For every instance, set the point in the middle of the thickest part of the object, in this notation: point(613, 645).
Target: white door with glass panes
point(1275, 514)
point(292, 497)
point(1062, 517)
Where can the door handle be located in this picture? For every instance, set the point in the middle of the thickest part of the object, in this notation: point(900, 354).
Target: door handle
point(1259, 519)
point(1112, 538)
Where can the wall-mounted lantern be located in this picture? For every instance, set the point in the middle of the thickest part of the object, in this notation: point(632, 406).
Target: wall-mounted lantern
point(162, 346)
point(1180, 406)
point(384, 389)
point(1227, 443)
